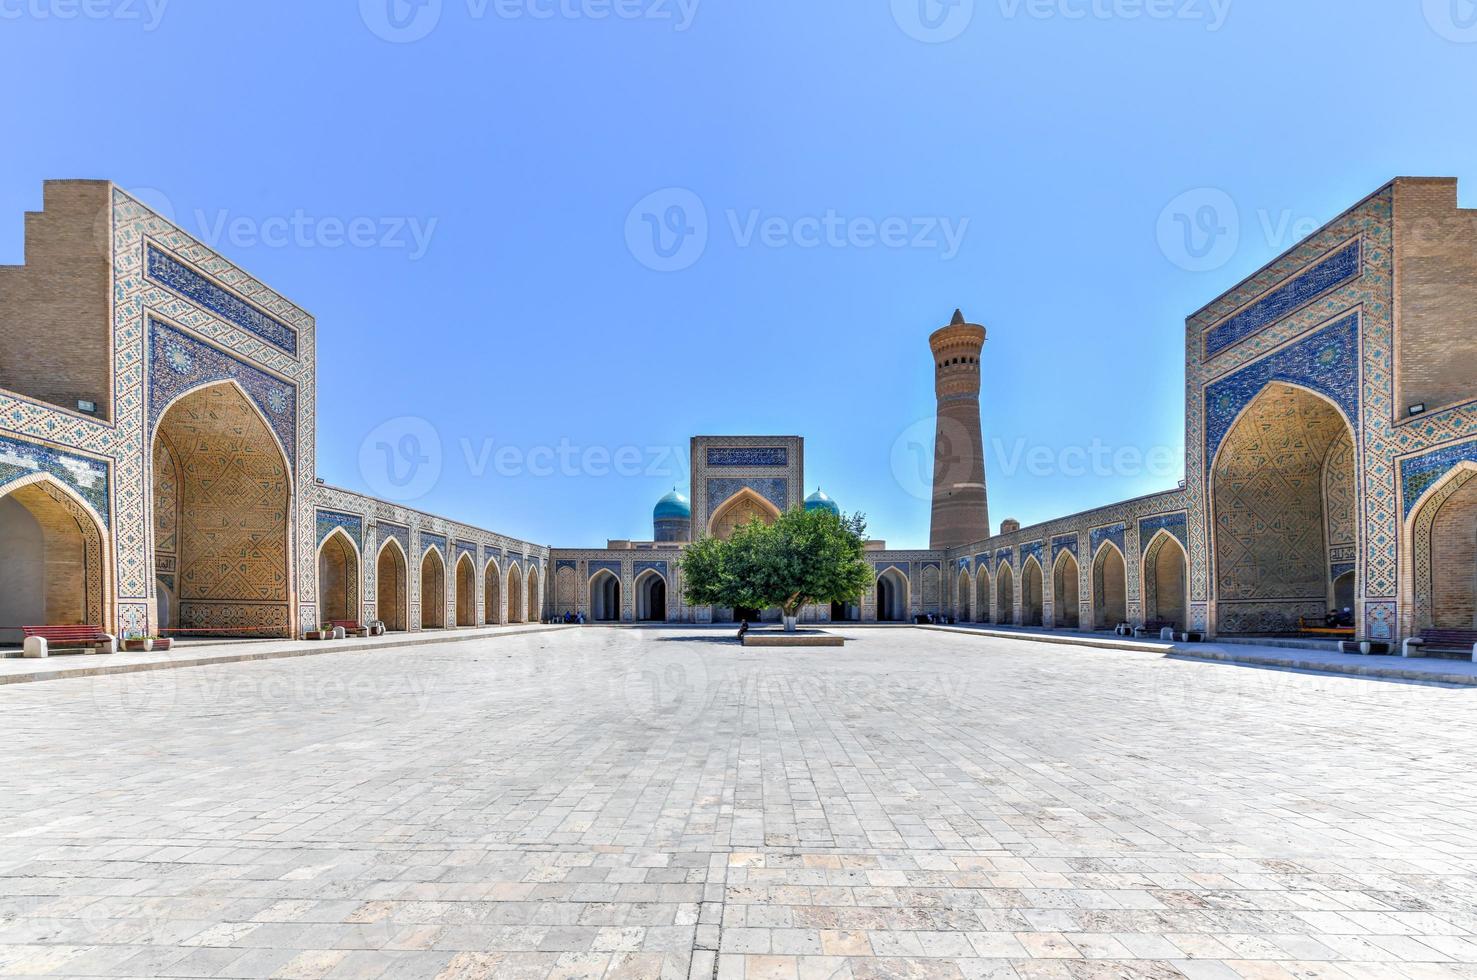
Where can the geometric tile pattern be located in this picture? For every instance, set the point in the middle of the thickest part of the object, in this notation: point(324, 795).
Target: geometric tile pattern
point(352, 525)
point(168, 271)
point(1333, 271)
point(89, 477)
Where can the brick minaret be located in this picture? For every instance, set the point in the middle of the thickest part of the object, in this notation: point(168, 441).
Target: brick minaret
point(961, 513)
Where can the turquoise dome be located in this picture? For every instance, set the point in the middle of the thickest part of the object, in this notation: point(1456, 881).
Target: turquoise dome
point(672, 507)
point(819, 501)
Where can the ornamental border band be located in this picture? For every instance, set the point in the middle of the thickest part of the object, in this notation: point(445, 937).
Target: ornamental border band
point(157, 463)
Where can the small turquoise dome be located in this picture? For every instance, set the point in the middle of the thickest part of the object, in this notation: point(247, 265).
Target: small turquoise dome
point(672, 507)
point(819, 501)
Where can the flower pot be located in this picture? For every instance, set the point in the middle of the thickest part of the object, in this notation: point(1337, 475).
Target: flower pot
point(139, 644)
point(314, 635)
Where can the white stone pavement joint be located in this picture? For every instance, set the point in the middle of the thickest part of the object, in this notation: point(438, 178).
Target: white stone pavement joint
point(310, 648)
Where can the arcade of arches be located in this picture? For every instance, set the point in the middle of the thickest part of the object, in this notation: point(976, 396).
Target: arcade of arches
point(222, 496)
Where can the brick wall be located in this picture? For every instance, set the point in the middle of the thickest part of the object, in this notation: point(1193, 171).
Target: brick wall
point(1435, 294)
point(55, 338)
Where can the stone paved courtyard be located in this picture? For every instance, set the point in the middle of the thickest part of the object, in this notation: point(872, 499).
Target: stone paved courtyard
point(634, 803)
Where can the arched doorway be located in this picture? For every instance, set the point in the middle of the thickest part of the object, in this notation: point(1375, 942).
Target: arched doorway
point(1166, 595)
point(566, 592)
point(223, 489)
point(845, 612)
point(651, 597)
point(535, 606)
point(1444, 552)
point(515, 594)
point(1281, 495)
point(605, 597)
point(338, 578)
point(1065, 591)
point(892, 596)
point(492, 603)
point(433, 590)
point(466, 591)
point(1109, 587)
point(390, 586)
point(51, 559)
point(982, 595)
point(1004, 595)
point(1031, 592)
point(743, 507)
point(965, 593)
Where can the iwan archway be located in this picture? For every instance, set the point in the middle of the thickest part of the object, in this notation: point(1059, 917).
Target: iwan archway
point(222, 515)
point(1282, 512)
point(1065, 591)
point(651, 597)
point(338, 578)
point(433, 589)
point(1166, 584)
point(743, 507)
point(982, 595)
point(1004, 595)
point(1109, 587)
point(466, 591)
point(1442, 536)
point(605, 597)
point(52, 563)
point(492, 603)
point(515, 593)
point(892, 596)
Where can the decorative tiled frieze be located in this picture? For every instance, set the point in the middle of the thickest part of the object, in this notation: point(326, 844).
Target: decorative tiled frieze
point(1334, 271)
point(352, 525)
point(776, 456)
point(88, 477)
point(173, 274)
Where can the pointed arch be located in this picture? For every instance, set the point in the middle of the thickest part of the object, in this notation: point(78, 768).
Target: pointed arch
point(893, 600)
point(1066, 579)
point(1031, 592)
point(1109, 587)
point(739, 509)
point(433, 589)
point(1268, 513)
point(1166, 581)
point(232, 506)
point(982, 594)
point(1442, 554)
point(651, 597)
point(54, 568)
point(338, 563)
point(391, 584)
point(514, 593)
point(535, 601)
point(605, 597)
point(492, 602)
point(964, 590)
point(466, 591)
point(1005, 594)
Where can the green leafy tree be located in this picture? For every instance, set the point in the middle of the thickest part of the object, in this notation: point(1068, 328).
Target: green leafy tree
point(803, 558)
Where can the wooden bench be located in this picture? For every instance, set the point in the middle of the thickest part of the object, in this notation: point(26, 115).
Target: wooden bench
point(40, 639)
point(1449, 641)
point(1323, 629)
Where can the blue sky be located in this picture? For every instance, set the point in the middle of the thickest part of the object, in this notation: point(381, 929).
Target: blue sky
point(560, 237)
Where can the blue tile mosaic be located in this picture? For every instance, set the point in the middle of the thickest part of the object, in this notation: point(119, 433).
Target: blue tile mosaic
point(179, 363)
point(981, 561)
point(1031, 550)
point(1326, 362)
point(613, 567)
point(961, 565)
point(1341, 568)
point(169, 272)
point(466, 548)
point(1420, 473)
point(352, 524)
point(881, 566)
point(430, 540)
point(1110, 532)
point(1006, 555)
point(566, 563)
point(88, 477)
point(511, 559)
point(1336, 270)
point(494, 553)
point(1173, 523)
point(774, 489)
point(748, 456)
point(397, 531)
point(652, 566)
point(1063, 542)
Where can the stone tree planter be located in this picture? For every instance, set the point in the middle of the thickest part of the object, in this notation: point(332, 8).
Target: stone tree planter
point(790, 623)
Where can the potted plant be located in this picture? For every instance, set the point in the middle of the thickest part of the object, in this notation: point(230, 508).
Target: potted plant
point(317, 634)
point(138, 643)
